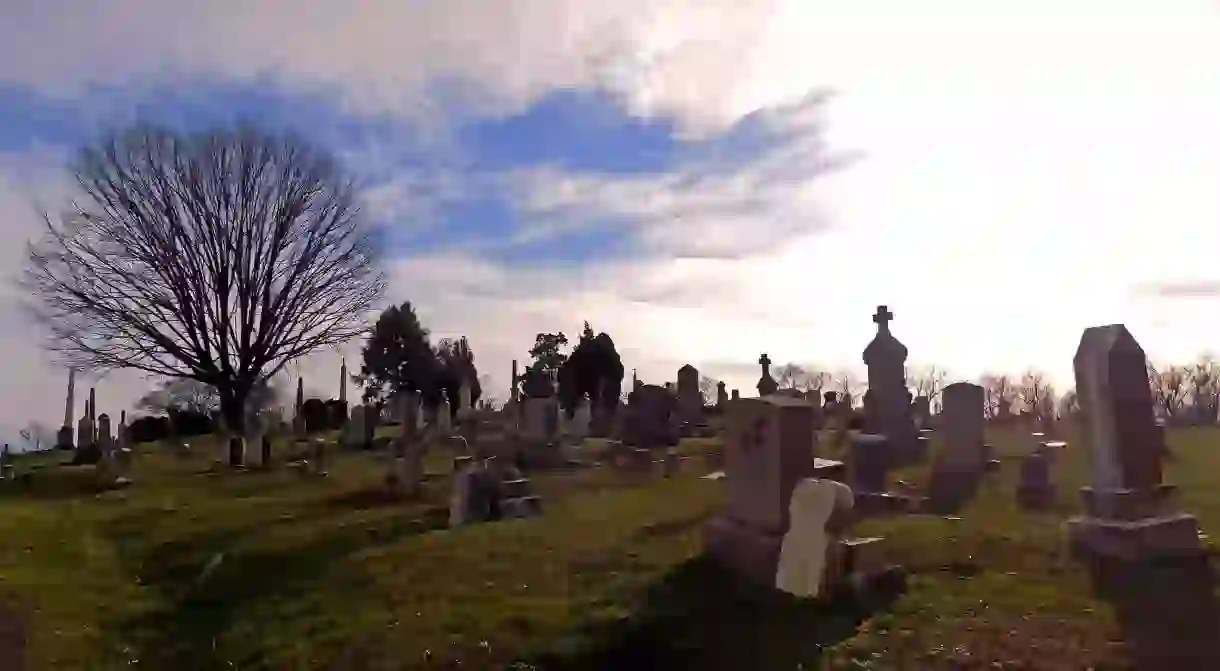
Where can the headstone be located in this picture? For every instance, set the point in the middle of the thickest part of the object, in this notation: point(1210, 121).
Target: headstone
point(767, 452)
point(690, 401)
point(1035, 489)
point(963, 457)
point(871, 457)
point(6, 465)
point(578, 427)
point(406, 474)
point(887, 402)
point(473, 498)
point(541, 419)
point(86, 446)
point(736, 395)
point(353, 432)
point(766, 384)
point(806, 545)
point(1129, 512)
point(265, 446)
point(650, 418)
point(444, 418)
point(722, 396)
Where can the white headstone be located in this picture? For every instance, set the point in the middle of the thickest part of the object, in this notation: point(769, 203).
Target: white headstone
point(802, 558)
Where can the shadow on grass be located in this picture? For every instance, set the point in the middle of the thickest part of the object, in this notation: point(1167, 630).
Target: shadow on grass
point(12, 637)
point(700, 616)
point(1167, 610)
point(207, 589)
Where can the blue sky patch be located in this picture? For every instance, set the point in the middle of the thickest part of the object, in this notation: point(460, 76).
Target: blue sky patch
point(574, 131)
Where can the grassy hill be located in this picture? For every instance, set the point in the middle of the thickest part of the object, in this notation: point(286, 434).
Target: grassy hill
point(191, 569)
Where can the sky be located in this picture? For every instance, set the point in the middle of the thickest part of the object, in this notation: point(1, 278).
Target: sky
point(705, 181)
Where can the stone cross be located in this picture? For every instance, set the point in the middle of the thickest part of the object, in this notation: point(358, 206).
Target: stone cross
point(766, 383)
point(883, 318)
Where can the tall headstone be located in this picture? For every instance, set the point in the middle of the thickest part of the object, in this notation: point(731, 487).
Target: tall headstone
point(767, 452)
point(722, 396)
point(6, 464)
point(92, 414)
point(962, 421)
point(64, 439)
point(578, 427)
point(887, 406)
point(963, 456)
point(736, 395)
point(766, 384)
point(298, 415)
point(1129, 511)
point(690, 401)
point(512, 391)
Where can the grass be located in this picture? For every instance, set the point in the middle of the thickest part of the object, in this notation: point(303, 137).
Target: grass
point(273, 570)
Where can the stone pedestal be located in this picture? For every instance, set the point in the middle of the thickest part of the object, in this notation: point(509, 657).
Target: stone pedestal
point(1133, 525)
point(63, 438)
point(748, 550)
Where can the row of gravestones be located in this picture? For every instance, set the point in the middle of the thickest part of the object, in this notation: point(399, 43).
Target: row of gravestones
point(783, 526)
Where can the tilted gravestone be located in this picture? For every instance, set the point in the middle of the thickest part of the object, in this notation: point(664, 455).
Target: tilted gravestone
point(1129, 512)
point(768, 450)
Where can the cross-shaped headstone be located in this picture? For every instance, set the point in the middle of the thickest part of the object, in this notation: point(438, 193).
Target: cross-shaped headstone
point(882, 318)
point(765, 362)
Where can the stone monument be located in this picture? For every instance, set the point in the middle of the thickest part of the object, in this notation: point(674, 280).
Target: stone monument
point(1129, 512)
point(767, 452)
point(887, 406)
point(766, 384)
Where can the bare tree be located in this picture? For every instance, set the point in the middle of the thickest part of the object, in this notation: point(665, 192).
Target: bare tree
point(37, 435)
point(707, 390)
point(847, 382)
point(998, 392)
point(789, 376)
point(816, 380)
point(1035, 395)
point(1069, 403)
point(182, 394)
point(218, 257)
point(926, 380)
point(1171, 386)
point(1204, 387)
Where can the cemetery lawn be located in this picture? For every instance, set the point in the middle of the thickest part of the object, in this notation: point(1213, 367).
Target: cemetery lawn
point(274, 570)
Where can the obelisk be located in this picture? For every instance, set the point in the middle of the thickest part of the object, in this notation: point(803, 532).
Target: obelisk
point(343, 381)
point(64, 440)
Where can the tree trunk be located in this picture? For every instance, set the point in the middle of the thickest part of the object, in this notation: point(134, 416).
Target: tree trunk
point(233, 409)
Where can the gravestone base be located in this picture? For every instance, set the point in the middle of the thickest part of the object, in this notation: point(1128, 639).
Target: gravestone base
point(1035, 498)
point(520, 507)
point(744, 549)
point(855, 562)
point(1138, 540)
point(949, 490)
point(1130, 505)
point(992, 466)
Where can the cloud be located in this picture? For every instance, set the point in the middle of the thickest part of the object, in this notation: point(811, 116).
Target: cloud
point(1184, 289)
point(670, 56)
